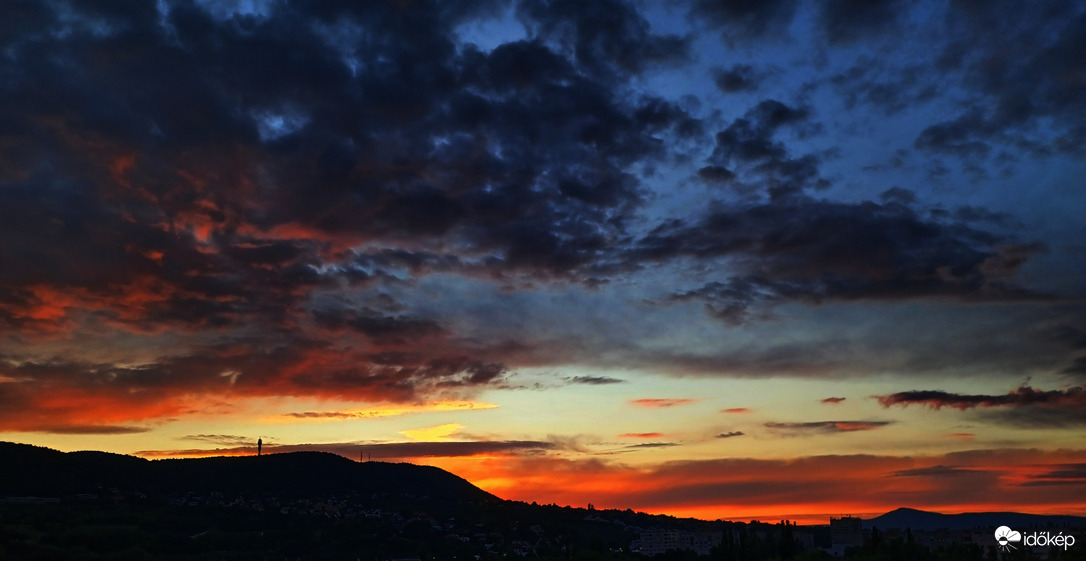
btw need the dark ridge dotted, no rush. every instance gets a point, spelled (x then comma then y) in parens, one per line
(35, 471)
(925, 520)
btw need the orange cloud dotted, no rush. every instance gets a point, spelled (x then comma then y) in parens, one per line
(84, 411)
(658, 402)
(58, 393)
(736, 410)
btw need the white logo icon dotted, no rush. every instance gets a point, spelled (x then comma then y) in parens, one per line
(1006, 536)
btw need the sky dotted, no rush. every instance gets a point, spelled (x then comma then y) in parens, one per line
(722, 259)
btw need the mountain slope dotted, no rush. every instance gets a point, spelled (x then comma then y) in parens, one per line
(32, 470)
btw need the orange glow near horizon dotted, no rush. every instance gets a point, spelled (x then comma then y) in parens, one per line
(390, 410)
(804, 490)
(439, 433)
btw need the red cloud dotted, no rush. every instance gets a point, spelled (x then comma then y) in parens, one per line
(52, 395)
(641, 435)
(848, 426)
(827, 427)
(660, 402)
(832, 400)
(736, 410)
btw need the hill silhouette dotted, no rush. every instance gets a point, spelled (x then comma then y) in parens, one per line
(27, 470)
(925, 520)
(38, 471)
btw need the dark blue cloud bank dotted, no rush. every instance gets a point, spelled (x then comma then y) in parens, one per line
(382, 192)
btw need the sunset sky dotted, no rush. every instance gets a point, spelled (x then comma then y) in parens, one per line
(723, 259)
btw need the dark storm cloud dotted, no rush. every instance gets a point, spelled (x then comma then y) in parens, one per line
(192, 169)
(715, 174)
(814, 359)
(1069, 335)
(607, 35)
(1005, 93)
(749, 144)
(195, 174)
(741, 20)
(811, 250)
(1024, 407)
(1022, 396)
(845, 21)
(958, 137)
(379, 327)
(416, 262)
(595, 380)
(1041, 78)
(1077, 368)
(740, 77)
(148, 273)
(825, 427)
(898, 195)
(735, 301)
(890, 89)
(419, 160)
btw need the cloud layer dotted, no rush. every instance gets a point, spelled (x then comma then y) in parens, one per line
(306, 214)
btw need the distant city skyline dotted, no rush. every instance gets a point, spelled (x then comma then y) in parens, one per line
(774, 260)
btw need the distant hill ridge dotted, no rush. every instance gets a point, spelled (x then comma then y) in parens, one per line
(33, 470)
(925, 520)
(27, 470)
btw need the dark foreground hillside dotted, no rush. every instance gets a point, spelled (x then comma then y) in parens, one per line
(311, 506)
(32, 470)
(85, 506)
